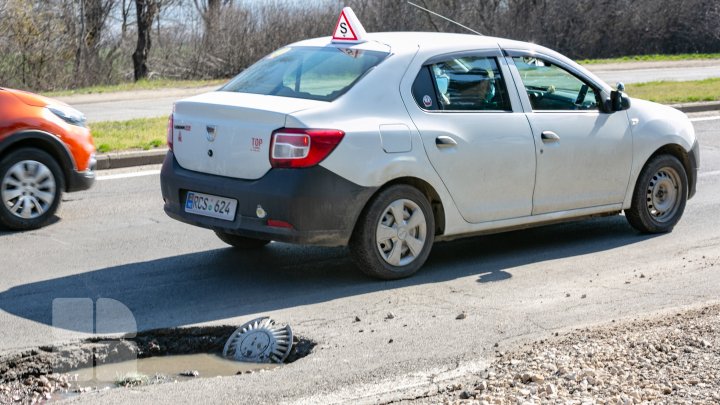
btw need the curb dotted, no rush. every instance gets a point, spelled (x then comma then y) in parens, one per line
(698, 107)
(116, 160)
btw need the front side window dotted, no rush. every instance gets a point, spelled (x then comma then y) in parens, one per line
(551, 87)
(472, 83)
(306, 72)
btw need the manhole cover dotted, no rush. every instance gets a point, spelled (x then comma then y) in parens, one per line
(259, 341)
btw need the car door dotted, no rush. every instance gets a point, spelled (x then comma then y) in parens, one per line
(584, 155)
(476, 134)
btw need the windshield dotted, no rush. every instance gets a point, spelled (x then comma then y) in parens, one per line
(306, 72)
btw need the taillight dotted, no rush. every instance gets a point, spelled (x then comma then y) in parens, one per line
(301, 147)
(169, 136)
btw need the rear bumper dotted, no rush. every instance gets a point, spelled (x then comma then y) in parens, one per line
(321, 206)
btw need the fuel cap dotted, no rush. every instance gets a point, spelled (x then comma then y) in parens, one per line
(259, 341)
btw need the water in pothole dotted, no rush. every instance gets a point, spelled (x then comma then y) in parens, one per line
(161, 369)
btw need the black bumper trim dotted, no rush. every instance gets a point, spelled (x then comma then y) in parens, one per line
(694, 168)
(79, 181)
(322, 206)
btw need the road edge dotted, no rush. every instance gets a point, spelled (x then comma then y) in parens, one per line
(117, 160)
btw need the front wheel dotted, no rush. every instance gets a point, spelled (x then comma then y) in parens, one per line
(660, 195)
(394, 234)
(241, 242)
(31, 187)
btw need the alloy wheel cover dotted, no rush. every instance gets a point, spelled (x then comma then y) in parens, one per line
(28, 189)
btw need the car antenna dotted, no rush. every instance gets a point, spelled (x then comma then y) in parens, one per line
(444, 18)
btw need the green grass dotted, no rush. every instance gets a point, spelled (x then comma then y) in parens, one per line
(652, 58)
(142, 133)
(676, 92)
(140, 85)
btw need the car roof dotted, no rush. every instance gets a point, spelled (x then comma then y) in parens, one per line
(410, 41)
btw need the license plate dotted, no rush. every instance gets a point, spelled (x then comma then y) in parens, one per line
(210, 206)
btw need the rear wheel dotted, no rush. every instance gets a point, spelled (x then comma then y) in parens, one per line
(31, 187)
(660, 195)
(241, 242)
(395, 233)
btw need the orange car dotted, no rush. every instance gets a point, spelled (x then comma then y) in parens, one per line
(45, 149)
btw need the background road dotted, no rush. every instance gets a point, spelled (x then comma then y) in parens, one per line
(114, 241)
(639, 72)
(158, 103)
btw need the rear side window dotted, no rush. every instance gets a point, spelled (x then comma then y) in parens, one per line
(306, 72)
(424, 90)
(473, 83)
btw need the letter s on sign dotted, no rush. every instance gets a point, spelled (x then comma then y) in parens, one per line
(343, 28)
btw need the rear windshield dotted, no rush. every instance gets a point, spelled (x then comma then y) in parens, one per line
(312, 73)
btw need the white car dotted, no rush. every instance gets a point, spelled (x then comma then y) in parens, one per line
(396, 140)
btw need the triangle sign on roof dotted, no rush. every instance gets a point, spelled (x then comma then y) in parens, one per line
(348, 28)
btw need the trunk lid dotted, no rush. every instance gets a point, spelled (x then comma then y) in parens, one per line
(228, 134)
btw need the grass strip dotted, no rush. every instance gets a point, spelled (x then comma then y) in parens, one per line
(668, 92)
(651, 58)
(141, 133)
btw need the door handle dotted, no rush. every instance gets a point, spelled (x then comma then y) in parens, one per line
(549, 136)
(444, 142)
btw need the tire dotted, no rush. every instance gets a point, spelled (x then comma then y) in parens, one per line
(31, 185)
(660, 195)
(384, 250)
(241, 242)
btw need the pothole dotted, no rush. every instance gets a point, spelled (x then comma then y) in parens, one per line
(151, 357)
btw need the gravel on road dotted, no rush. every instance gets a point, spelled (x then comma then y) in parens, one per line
(664, 359)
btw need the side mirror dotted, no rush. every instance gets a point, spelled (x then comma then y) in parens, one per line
(619, 101)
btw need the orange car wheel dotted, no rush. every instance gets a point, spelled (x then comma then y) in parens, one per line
(31, 185)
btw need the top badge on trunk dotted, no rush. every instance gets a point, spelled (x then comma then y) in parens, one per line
(211, 132)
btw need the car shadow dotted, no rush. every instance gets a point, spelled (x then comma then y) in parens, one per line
(225, 283)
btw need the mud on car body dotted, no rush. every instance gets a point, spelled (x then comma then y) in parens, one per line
(390, 141)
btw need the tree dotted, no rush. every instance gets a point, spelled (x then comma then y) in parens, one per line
(125, 16)
(210, 10)
(93, 18)
(146, 11)
(211, 13)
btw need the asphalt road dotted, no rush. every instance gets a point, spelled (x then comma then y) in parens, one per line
(150, 104)
(114, 241)
(639, 72)
(127, 105)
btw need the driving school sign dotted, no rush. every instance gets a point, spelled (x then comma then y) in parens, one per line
(348, 28)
